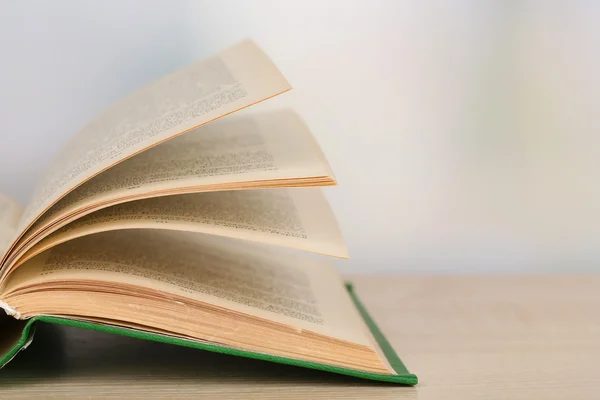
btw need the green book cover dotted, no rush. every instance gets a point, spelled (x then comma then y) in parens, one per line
(403, 376)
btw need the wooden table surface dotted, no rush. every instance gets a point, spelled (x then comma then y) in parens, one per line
(493, 337)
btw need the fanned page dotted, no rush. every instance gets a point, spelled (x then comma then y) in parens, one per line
(267, 150)
(234, 79)
(269, 283)
(295, 218)
(10, 214)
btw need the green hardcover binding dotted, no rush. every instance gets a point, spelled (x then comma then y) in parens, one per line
(403, 376)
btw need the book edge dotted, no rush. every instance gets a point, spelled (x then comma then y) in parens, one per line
(403, 376)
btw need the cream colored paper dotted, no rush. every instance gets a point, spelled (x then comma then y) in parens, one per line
(202, 92)
(10, 213)
(304, 292)
(295, 218)
(268, 149)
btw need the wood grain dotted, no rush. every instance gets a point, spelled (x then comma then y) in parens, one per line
(493, 337)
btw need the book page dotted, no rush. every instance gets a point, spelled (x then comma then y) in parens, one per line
(299, 291)
(236, 78)
(10, 213)
(238, 152)
(295, 218)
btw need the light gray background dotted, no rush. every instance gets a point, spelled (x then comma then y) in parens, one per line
(464, 134)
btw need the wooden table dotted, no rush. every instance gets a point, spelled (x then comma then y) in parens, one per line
(466, 337)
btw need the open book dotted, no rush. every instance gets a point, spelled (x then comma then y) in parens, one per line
(192, 240)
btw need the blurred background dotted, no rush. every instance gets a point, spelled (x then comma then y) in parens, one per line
(465, 135)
